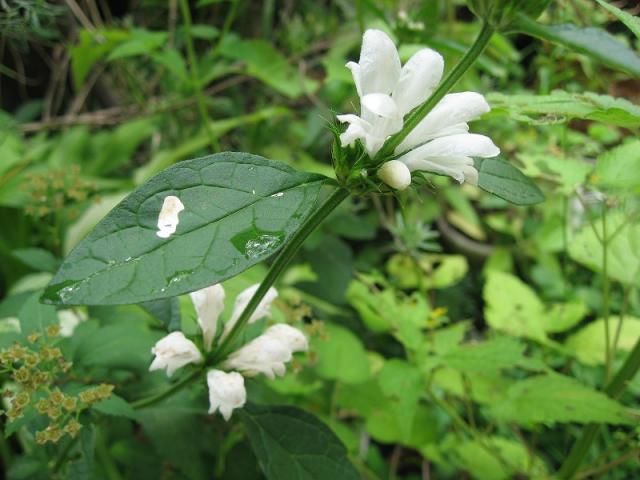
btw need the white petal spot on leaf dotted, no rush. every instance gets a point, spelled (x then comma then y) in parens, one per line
(168, 219)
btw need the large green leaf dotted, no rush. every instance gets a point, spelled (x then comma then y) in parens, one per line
(560, 106)
(341, 356)
(594, 42)
(239, 210)
(589, 343)
(555, 398)
(501, 178)
(292, 444)
(617, 169)
(631, 21)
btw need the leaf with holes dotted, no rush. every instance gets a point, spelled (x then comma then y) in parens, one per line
(239, 209)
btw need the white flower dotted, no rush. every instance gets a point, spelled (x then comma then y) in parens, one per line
(269, 352)
(69, 319)
(440, 143)
(174, 351)
(242, 300)
(226, 392)
(395, 174)
(168, 216)
(209, 304)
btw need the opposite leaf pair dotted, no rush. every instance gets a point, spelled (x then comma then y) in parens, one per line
(266, 354)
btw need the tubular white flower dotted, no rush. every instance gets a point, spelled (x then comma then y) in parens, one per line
(269, 352)
(242, 300)
(209, 304)
(173, 352)
(226, 392)
(395, 174)
(440, 143)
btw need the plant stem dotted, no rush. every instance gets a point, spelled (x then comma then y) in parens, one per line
(613, 389)
(605, 296)
(158, 397)
(447, 84)
(195, 75)
(279, 265)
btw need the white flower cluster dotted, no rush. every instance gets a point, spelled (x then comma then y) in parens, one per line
(265, 354)
(441, 142)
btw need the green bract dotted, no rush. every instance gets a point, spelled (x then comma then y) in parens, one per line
(239, 210)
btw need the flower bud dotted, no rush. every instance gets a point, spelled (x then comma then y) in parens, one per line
(395, 174)
(226, 392)
(269, 352)
(174, 351)
(500, 13)
(209, 304)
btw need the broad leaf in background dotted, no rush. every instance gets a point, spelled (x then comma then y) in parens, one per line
(292, 444)
(594, 42)
(239, 210)
(560, 106)
(588, 344)
(501, 178)
(341, 355)
(623, 259)
(167, 310)
(555, 398)
(617, 170)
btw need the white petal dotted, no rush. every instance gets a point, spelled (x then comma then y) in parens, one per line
(209, 304)
(395, 174)
(168, 217)
(452, 166)
(380, 104)
(379, 64)
(447, 118)
(242, 300)
(418, 79)
(174, 351)
(226, 392)
(355, 73)
(293, 338)
(470, 174)
(461, 145)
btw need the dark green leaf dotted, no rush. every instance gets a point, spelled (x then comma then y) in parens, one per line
(507, 182)
(167, 310)
(115, 406)
(239, 210)
(81, 467)
(292, 444)
(38, 259)
(35, 317)
(594, 42)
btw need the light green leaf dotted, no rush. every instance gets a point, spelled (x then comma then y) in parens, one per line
(489, 356)
(554, 398)
(92, 47)
(268, 65)
(115, 406)
(140, 42)
(594, 42)
(513, 307)
(38, 259)
(561, 106)
(623, 251)
(36, 317)
(632, 22)
(292, 444)
(562, 316)
(507, 182)
(403, 385)
(341, 356)
(239, 210)
(567, 173)
(617, 170)
(588, 344)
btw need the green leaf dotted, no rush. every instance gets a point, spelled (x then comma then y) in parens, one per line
(115, 406)
(507, 182)
(617, 170)
(561, 106)
(341, 356)
(563, 316)
(38, 259)
(81, 467)
(632, 22)
(555, 398)
(167, 310)
(594, 42)
(292, 444)
(36, 317)
(623, 251)
(92, 47)
(588, 344)
(268, 65)
(489, 356)
(140, 42)
(513, 307)
(239, 210)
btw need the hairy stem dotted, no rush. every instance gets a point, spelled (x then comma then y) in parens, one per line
(279, 265)
(445, 86)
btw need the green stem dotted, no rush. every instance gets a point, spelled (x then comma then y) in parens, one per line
(605, 297)
(195, 75)
(445, 86)
(158, 397)
(613, 389)
(279, 265)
